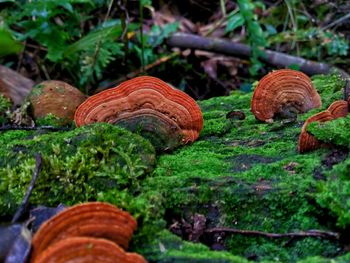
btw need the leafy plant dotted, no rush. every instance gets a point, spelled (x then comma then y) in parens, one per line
(8, 45)
(255, 35)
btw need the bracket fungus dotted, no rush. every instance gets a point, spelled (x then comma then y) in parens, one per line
(308, 142)
(55, 97)
(284, 93)
(84, 249)
(94, 219)
(166, 116)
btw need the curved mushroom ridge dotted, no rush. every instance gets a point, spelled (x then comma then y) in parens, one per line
(164, 133)
(339, 108)
(95, 219)
(284, 92)
(83, 249)
(308, 142)
(143, 93)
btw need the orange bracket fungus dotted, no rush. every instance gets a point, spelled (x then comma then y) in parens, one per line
(284, 93)
(95, 219)
(55, 97)
(166, 116)
(308, 142)
(85, 249)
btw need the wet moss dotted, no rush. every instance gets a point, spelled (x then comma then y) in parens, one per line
(167, 247)
(335, 131)
(54, 121)
(241, 174)
(334, 193)
(5, 105)
(252, 173)
(77, 165)
(330, 87)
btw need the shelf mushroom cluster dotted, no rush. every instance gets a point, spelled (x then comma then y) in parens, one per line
(285, 93)
(89, 232)
(166, 116)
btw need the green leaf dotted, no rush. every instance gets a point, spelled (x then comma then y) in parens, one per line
(8, 45)
(234, 22)
(158, 34)
(92, 39)
(145, 3)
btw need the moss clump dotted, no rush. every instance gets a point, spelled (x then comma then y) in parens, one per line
(52, 120)
(336, 131)
(77, 165)
(5, 105)
(330, 88)
(334, 192)
(167, 247)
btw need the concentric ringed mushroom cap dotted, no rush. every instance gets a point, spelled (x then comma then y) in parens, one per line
(137, 104)
(87, 250)
(93, 219)
(284, 93)
(308, 142)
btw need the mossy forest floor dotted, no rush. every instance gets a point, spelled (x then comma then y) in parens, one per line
(240, 174)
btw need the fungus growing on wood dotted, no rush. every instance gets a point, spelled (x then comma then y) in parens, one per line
(166, 116)
(55, 97)
(284, 93)
(85, 249)
(308, 142)
(95, 219)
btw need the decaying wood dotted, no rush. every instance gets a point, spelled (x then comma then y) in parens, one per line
(227, 47)
(13, 85)
(278, 59)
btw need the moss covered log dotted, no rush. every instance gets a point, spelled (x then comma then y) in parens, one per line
(241, 174)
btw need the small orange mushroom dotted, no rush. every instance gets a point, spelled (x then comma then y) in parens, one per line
(166, 116)
(284, 93)
(308, 142)
(55, 97)
(87, 250)
(94, 219)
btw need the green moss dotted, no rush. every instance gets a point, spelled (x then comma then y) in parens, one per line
(330, 88)
(335, 131)
(52, 120)
(253, 176)
(334, 193)
(167, 247)
(5, 106)
(77, 165)
(241, 174)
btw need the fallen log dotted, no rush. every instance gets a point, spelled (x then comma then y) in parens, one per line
(278, 59)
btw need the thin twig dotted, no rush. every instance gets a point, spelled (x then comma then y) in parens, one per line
(28, 128)
(336, 22)
(36, 172)
(141, 37)
(307, 233)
